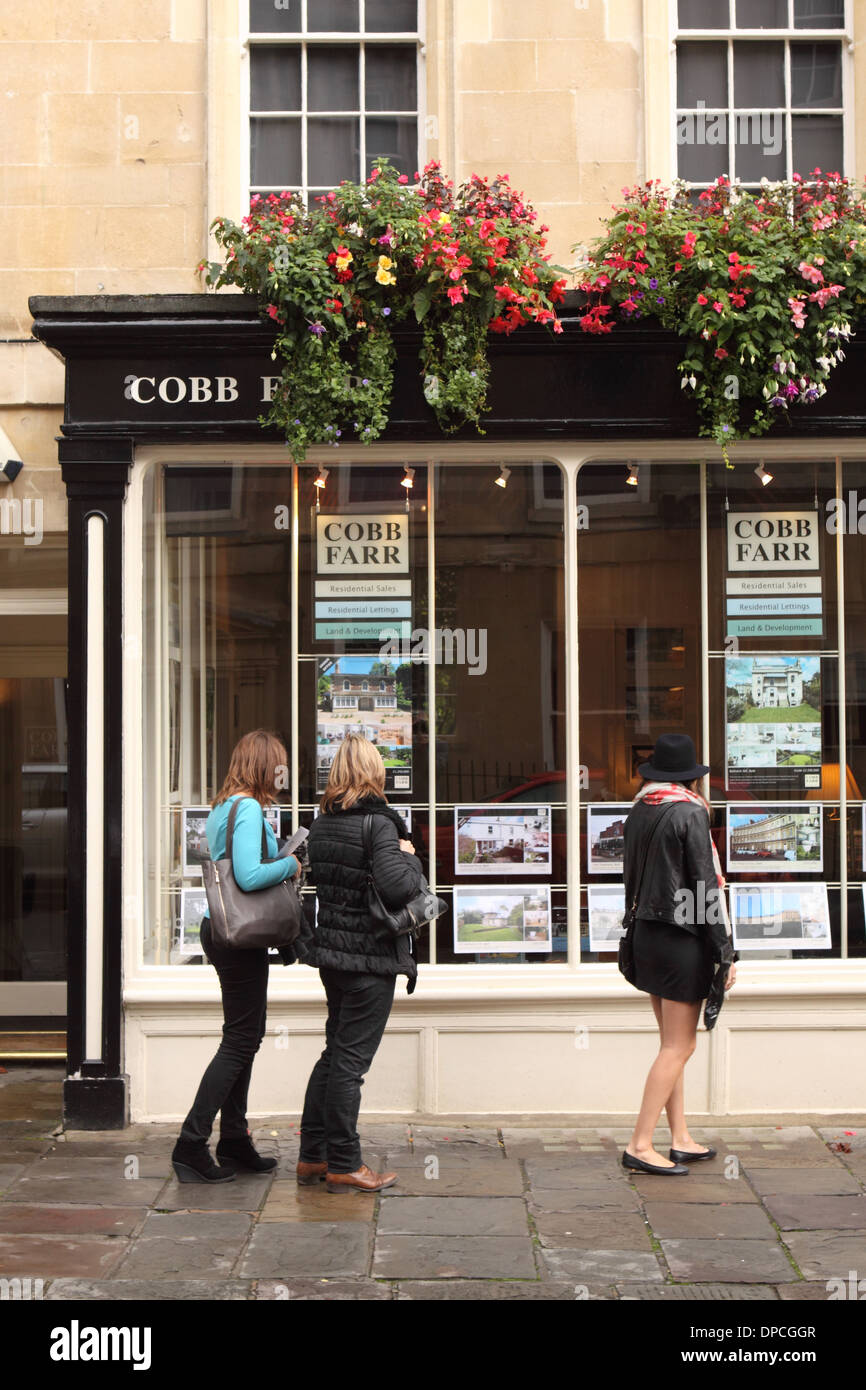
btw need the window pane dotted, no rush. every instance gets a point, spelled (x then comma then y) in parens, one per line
(394, 138)
(275, 16)
(702, 74)
(819, 14)
(391, 16)
(760, 146)
(816, 74)
(508, 654)
(702, 153)
(332, 79)
(275, 79)
(391, 79)
(759, 74)
(275, 152)
(817, 144)
(333, 151)
(703, 14)
(332, 16)
(762, 14)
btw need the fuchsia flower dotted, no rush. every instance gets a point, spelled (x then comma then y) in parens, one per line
(823, 296)
(810, 273)
(798, 310)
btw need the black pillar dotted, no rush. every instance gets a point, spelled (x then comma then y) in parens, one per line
(96, 472)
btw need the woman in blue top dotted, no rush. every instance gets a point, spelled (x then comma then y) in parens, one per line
(243, 973)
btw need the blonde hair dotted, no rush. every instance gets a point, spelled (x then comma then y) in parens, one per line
(356, 771)
(253, 766)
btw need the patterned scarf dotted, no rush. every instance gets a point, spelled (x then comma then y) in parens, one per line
(656, 793)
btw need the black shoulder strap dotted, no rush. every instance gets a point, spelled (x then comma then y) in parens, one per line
(367, 834)
(230, 830)
(649, 839)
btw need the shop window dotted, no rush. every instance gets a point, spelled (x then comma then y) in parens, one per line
(756, 95)
(323, 110)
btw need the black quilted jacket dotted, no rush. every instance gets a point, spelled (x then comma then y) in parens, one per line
(338, 866)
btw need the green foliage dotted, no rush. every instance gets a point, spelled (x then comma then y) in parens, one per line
(338, 276)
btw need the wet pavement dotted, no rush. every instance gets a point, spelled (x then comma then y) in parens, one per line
(491, 1211)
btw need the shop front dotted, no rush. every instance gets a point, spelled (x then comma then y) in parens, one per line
(513, 619)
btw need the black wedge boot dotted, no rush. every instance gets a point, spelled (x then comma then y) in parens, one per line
(192, 1163)
(242, 1154)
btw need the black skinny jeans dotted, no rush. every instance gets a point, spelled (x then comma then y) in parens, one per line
(243, 977)
(358, 1009)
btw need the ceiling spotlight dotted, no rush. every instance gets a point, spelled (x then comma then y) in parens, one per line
(761, 472)
(408, 477)
(321, 478)
(504, 475)
(631, 480)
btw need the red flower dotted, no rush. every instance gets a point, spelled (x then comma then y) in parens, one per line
(455, 293)
(702, 299)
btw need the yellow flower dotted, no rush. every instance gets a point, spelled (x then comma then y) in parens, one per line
(383, 275)
(343, 261)
(445, 217)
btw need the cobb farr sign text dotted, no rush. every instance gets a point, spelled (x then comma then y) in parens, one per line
(192, 390)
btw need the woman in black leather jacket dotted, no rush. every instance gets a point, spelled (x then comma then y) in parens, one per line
(358, 966)
(672, 874)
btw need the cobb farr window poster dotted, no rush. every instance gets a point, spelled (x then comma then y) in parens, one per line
(502, 920)
(362, 586)
(194, 843)
(365, 695)
(776, 916)
(490, 841)
(776, 839)
(605, 830)
(773, 721)
(193, 906)
(606, 910)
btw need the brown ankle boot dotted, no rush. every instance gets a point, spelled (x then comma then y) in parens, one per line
(363, 1180)
(309, 1174)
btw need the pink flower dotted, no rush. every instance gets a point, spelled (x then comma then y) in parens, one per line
(455, 293)
(798, 310)
(718, 306)
(823, 296)
(702, 299)
(810, 273)
(454, 274)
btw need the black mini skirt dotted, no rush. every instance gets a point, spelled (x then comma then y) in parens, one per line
(671, 962)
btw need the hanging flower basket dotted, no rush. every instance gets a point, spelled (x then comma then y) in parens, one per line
(764, 287)
(337, 276)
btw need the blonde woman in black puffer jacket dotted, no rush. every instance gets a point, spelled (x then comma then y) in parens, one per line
(357, 966)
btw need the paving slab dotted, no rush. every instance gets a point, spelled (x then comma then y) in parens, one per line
(812, 1157)
(127, 1163)
(454, 1257)
(480, 1177)
(572, 1171)
(812, 1181)
(9, 1172)
(288, 1202)
(613, 1198)
(792, 1211)
(592, 1230)
(854, 1136)
(501, 1291)
(828, 1254)
(458, 1138)
(282, 1251)
(602, 1266)
(324, 1291)
(149, 1290)
(454, 1216)
(187, 1245)
(16, 1218)
(106, 1192)
(43, 1257)
(700, 1293)
(694, 1188)
(813, 1293)
(246, 1193)
(699, 1220)
(527, 1143)
(727, 1261)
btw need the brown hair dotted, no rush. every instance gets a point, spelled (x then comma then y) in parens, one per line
(253, 767)
(357, 771)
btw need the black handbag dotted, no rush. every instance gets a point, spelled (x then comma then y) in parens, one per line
(625, 954)
(423, 906)
(266, 917)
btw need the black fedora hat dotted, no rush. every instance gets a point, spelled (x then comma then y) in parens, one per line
(674, 760)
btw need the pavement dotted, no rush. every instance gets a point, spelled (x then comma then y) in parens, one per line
(487, 1211)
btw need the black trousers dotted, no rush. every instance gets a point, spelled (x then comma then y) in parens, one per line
(358, 1009)
(243, 977)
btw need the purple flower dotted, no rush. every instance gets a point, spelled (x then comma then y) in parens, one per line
(660, 299)
(779, 402)
(386, 312)
(365, 381)
(297, 422)
(792, 389)
(339, 432)
(317, 328)
(653, 284)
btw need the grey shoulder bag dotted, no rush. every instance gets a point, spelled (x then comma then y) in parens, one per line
(262, 918)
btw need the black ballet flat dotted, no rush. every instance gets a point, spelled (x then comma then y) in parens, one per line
(638, 1166)
(683, 1156)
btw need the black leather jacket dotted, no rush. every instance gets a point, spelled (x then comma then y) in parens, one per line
(679, 881)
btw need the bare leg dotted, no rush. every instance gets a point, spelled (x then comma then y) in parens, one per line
(678, 1025)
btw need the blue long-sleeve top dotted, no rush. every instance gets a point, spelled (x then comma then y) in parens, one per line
(250, 871)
